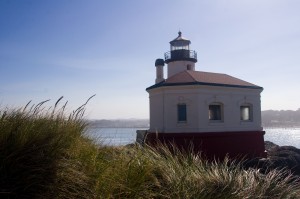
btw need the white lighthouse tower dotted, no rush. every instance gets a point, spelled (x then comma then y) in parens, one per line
(217, 113)
(180, 57)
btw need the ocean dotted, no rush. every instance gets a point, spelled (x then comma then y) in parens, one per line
(283, 136)
(123, 136)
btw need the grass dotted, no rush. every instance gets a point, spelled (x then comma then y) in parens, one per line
(44, 154)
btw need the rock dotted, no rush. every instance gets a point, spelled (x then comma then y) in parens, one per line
(270, 145)
(279, 157)
(287, 157)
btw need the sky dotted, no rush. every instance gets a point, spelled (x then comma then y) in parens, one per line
(79, 48)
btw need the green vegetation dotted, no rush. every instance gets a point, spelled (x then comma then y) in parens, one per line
(44, 154)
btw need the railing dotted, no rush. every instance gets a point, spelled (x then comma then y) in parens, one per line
(176, 55)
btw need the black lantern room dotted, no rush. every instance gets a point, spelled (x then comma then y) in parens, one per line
(180, 50)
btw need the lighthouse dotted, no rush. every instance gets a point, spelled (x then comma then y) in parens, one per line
(214, 113)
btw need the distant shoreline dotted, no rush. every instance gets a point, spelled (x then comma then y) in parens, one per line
(144, 123)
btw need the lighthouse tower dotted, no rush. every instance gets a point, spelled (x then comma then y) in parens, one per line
(180, 57)
(216, 113)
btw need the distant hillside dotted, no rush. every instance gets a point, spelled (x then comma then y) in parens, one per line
(120, 123)
(282, 118)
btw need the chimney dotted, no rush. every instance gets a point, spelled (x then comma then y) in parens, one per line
(159, 64)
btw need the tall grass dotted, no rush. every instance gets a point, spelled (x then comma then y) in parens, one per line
(34, 148)
(44, 154)
(149, 173)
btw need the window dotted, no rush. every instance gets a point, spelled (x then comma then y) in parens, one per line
(179, 47)
(246, 113)
(189, 67)
(181, 113)
(215, 112)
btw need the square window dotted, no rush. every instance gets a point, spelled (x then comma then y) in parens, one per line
(215, 112)
(181, 113)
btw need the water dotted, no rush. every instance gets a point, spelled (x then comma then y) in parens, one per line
(123, 136)
(113, 136)
(283, 136)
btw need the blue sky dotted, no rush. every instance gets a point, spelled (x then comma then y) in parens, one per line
(77, 48)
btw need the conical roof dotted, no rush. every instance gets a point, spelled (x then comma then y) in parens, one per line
(180, 40)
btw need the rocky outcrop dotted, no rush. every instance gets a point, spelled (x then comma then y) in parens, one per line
(279, 157)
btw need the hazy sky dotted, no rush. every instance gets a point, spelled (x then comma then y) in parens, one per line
(78, 48)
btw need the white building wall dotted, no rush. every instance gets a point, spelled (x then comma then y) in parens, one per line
(179, 66)
(156, 100)
(164, 100)
(172, 99)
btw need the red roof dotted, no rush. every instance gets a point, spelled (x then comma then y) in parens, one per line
(189, 77)
(198, 76)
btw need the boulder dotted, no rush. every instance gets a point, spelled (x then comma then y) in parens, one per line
(279, 157)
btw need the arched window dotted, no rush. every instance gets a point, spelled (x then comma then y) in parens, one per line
(246, 112)
(215, 112)
(181, 113)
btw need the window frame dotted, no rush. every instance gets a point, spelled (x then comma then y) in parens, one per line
(219, 114)
(181, 113)
(250, 112)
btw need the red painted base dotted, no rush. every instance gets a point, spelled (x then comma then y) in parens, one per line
(217, 145)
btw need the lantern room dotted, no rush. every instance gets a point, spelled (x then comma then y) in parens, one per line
(180, 50)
